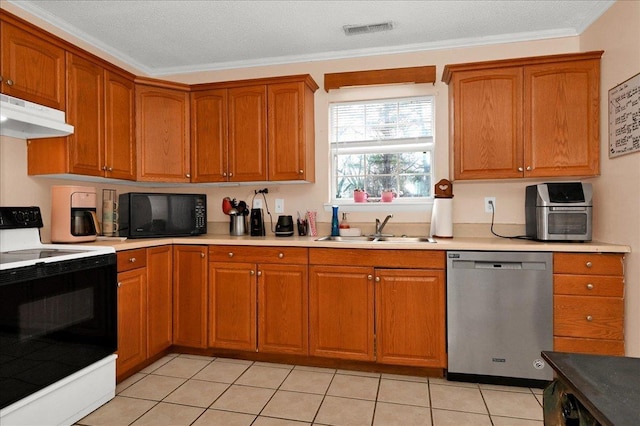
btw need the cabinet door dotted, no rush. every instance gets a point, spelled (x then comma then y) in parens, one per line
(120, 160)
(159, 299)
(209, 136)
(190, 296)
(410, 317)
(33, 69)
(562, 126)
(232, 306)
(162, 134)
(341, 303)
(487, 123)
(132, 319)
(248, 133)
(283, 314)
(85, 111)
(287, 131)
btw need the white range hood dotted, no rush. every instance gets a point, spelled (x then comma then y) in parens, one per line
(26, 120)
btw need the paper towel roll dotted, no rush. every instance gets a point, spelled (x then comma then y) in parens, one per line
(442, 218)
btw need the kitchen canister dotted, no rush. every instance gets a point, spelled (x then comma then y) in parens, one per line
(442, 212)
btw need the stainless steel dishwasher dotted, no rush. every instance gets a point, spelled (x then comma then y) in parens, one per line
(499, 316)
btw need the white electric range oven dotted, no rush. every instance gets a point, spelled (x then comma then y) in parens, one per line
(58, 324)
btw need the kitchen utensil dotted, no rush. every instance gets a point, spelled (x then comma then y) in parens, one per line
(226, 205)
(237, 224)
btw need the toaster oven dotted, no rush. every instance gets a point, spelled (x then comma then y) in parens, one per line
(559, 211)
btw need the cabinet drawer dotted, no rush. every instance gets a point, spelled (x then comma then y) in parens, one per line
(589, 346)
(423, 259)
(585, 316)
(289, 255)
(131, 259)
(588, 263)
(588, 285)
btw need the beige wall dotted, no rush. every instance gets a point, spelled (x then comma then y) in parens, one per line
(616, 191)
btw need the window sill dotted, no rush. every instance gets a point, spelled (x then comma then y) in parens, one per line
(377, 206)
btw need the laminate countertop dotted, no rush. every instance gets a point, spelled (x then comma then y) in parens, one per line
(469, 244)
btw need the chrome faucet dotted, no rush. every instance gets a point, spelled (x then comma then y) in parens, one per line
(380, 226)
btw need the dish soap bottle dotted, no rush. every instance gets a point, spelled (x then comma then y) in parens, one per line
(335, 226)
(343, 223)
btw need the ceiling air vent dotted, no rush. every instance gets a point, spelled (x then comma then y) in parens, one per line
(364, 29)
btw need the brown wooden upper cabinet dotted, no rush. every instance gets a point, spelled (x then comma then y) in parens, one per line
(100, 106)
(526, 117)
(253, 130)
(162, 133)
(32, 67)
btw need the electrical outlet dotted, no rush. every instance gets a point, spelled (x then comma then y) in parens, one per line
(488, 207)
(279, 205)
(257, 203)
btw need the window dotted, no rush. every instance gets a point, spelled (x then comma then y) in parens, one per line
(381, 145)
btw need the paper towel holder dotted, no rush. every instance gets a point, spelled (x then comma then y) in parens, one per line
(443, 189)
(441, 213)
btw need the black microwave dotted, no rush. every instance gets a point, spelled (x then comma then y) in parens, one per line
(146, 215)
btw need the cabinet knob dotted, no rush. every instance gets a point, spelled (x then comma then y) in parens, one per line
(300, 172)
(280, 255)
(9, 82)
(230, 254)
(589, 286)
(588, 264)
(259, 273)
(589, 318)
(520, 169)
(188, 175)
(119, 284)
(528, 168)
(202, 255)
(132, 259)
(109, 169)
(104, 168)
(369, 277)
(377, 279)
(252, 272)
(224, 174)
(230, 174)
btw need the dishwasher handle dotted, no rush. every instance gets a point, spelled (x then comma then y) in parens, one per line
(498, 266)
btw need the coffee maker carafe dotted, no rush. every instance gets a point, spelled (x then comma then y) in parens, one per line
(73, 214)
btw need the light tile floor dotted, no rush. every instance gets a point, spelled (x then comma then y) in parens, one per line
(195, 390)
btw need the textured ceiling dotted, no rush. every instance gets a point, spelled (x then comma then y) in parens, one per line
(167, 37)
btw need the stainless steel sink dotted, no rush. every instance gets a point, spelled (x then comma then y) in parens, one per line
(378, 239)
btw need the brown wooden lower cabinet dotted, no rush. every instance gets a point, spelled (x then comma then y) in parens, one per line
(132, 310)
(410, 317)
(341, 305)
(588, 303)
(190, 296)
(159, 299)
(257, 300)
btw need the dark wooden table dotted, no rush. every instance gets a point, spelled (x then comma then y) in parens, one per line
(608, 386)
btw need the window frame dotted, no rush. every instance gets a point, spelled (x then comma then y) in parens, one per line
(374, 93)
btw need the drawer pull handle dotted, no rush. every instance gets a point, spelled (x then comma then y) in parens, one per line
(589, 286)
(369, 277)
(280, 255)
(589, 264)
(252, 272)
(377, 279)
(230, 254)
(132, 259)
(589, 318)
(259, 273)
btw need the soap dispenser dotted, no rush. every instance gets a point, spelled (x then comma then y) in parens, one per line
(335, 225)
(344, 224)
